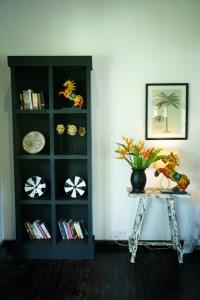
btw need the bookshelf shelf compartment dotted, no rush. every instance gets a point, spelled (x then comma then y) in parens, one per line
(28, 123)
(66, 143)
(30, 214)
(29, 169)
(62, 156)
(34, 78)
(61, 75)
(73, 213)
(65, 169)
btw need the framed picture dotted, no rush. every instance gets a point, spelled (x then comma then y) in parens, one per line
(166, 111)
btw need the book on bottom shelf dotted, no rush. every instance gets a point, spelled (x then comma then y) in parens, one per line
(37, 230)
(72, 229)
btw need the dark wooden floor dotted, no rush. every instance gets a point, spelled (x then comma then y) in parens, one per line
(155, 275)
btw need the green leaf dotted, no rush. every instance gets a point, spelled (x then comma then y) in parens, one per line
(122, 145)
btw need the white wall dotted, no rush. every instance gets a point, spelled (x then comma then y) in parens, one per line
(132, 43)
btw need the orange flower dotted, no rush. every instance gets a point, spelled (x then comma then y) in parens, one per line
(147, 153)
(130, 145)
(122, 152)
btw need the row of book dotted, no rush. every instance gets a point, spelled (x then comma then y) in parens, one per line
(71, 230)
(37, 230)
(31, 100)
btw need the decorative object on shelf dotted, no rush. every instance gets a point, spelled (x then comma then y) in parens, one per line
(33, 142)
(139, 158)
(35, 187)
(75, 187)
(166, 111)
(60, 128)
(171, 163)
(82, 131)
(71, 129)
(31, 100)
(69, 88)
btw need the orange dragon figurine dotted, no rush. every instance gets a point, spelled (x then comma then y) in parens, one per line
(171, 162)
(68, 93)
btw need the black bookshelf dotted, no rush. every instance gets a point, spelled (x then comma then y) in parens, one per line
(62, 157)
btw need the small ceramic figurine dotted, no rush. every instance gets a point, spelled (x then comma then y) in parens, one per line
(82, 131)
(69, 87)
(60, 128)
(171, 162)
(71, 129)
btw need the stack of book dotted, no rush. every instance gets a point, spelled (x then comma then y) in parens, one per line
(31, 100)
(37, 230)
(71, 230)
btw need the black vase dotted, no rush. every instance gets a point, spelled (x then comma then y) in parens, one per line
(138, 181)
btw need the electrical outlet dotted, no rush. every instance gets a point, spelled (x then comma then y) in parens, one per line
(118, 234)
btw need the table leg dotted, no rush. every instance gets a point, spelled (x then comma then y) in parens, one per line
(174, 228)
(171, 223)
(134, 237)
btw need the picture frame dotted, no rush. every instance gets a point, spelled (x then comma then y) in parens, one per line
(166, 111)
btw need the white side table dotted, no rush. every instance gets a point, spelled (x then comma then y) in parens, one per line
(135, 235)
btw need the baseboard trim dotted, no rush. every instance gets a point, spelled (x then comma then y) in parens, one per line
(111, 244)
(1, 245)
(99, 244)
(7, 243)
(123, 243)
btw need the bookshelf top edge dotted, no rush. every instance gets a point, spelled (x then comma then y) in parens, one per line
(30, 61)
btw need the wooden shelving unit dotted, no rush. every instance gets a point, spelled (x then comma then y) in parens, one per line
(61, 158)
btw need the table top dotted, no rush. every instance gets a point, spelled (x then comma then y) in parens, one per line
(155, 192)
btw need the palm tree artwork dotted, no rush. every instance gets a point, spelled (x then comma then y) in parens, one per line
(165, 100)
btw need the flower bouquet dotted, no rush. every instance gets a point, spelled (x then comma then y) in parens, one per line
(139, 158)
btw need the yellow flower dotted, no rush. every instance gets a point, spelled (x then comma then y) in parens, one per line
(141, 144)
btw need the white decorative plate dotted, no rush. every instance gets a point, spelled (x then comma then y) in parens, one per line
(33, 142)
(75, 187)
(35, 187)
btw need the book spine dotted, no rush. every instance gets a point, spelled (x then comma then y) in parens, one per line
(66, 229)
(41, 231)
(35, 100)
(21, 101)
(35, 232)
(39, 234)
(30, 99)
(79, 230)
(28, 230)
(27, 99)
(45, 230)
(41, 100)
(75, 236)
(70, 231)
(83, 228)
(76, 229)
(62, 230)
